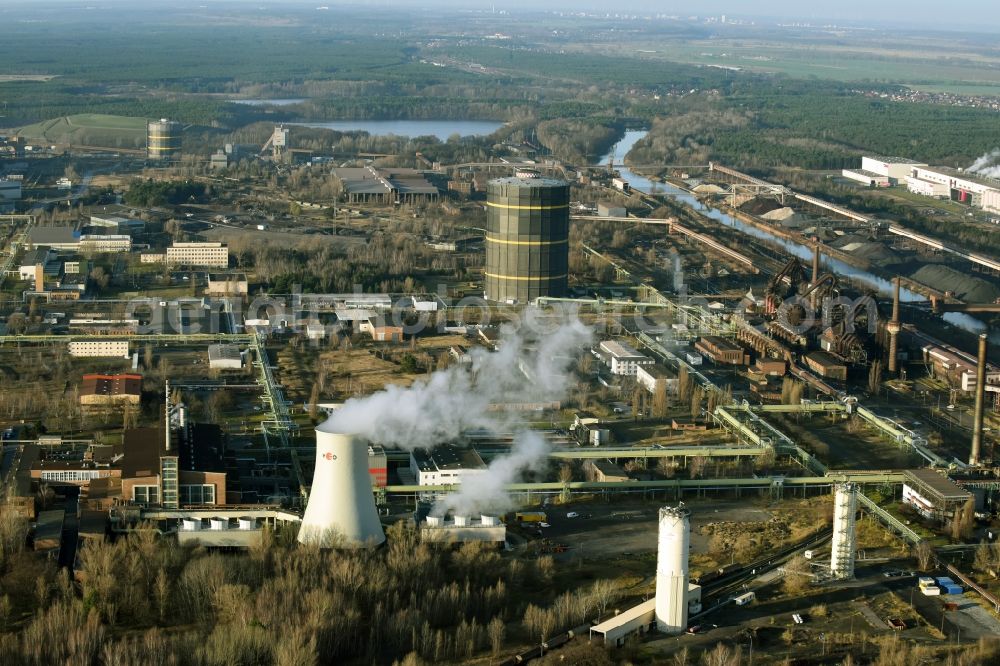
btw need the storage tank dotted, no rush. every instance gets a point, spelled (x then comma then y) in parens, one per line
(341, 510)
(842, 545)
(163, 139)
(527, 237)
(672, 569)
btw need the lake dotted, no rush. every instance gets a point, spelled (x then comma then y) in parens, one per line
(441, 129)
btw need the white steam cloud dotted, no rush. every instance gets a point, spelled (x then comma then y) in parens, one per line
(987, 165)
(451, 401)
(487, 493)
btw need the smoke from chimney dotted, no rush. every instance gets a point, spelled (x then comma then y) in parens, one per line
(452, 401)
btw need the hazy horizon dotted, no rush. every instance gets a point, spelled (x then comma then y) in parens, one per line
(971, 15)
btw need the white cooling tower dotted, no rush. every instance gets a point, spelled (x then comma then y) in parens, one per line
(672, 570)
(843, 544)
(341, 510)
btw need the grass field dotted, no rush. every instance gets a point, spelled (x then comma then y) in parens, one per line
(89, 129)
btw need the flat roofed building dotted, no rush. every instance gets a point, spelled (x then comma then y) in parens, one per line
(722, 350)
(105, 243)
(445, 465)
(225, 357)
(124, 225)
(609, 209)
(105, 390)
(649, 376)
(191, 473)
(927, 188)
(57, 238)
(866, 178)
(932, 493)
(826, 365)
(622, 358)
(31, 259)
(963, 187)
(215, 254)
(896, 168)
(98, 348)
(604, 471)
(227, 284)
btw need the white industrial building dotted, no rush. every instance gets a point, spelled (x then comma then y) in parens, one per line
(460, 529)
(962, 187)
(445, 465)
(927, 188)
(99, 348)
(894, 168)
(225, 357)
(991, 201)
(621, 358)
(867, 178)
(648, 376)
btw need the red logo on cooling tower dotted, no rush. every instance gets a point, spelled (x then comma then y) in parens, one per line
(329, 456)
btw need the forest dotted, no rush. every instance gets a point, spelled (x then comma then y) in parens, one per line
(144, 599)
(812, 127)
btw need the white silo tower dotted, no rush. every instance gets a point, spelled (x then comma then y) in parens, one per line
(672, 570)
(843, 544)
(341, 510)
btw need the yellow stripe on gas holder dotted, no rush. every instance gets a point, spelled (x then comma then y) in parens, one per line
(517, 207)
(524, 278)
(536, 243)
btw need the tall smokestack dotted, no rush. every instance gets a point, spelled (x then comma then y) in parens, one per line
(341, 511)
(977, 423)
(893, 328)
(672, 570)
(815, 276)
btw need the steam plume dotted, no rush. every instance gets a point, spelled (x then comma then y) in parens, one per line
(439, 409)
(988, 164)
(487, 493)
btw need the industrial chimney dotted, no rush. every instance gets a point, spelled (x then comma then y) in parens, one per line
(893, 328)
(977, 422)
(843, 544)
(341, 510)
(672, 570)
(815, 264)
